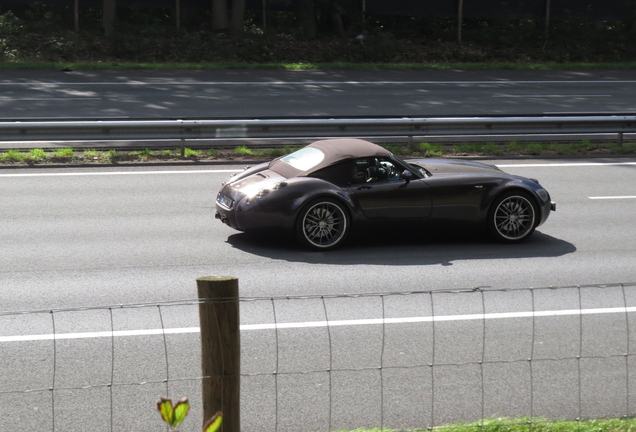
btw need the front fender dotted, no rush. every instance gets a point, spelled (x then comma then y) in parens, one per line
(497, 189)
(528, 186)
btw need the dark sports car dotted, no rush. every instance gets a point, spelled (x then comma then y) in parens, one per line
(320, 191)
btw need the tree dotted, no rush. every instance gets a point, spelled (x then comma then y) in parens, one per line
(108, 16)
(220, 16)
(238, 16)
(307, 18)
(228, 14)
(76, 14)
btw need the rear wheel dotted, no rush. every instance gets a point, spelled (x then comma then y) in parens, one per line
(512, 217)
(322, 224)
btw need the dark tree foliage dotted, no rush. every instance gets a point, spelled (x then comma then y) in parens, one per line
(315, 31)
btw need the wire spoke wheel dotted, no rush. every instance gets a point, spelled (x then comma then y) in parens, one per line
(513, 218)
(323, 224)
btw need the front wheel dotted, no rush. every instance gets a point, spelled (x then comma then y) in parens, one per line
(322, 224)
(512, 217)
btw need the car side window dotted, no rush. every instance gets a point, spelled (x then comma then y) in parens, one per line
(338, 174)
(373, 170)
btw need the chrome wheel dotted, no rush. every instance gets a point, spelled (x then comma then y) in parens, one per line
(513, 218)
(323, 224)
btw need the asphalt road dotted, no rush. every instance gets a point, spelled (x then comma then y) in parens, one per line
(88, 237)
(85, 237)
(257, 94)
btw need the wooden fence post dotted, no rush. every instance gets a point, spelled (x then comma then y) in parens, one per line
(220, 349)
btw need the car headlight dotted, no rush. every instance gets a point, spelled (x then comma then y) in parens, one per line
(265, 191)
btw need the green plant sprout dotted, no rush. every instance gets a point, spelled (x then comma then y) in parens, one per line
(174, 415)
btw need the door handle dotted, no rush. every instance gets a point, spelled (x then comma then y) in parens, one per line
(364, 188)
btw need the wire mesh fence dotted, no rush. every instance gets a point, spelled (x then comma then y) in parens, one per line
(411, 360)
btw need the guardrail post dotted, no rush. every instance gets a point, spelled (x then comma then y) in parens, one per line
(220, 349)
(620, 139)
(182, 147)
(411, 144)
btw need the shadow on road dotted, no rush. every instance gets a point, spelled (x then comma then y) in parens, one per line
(403, 246)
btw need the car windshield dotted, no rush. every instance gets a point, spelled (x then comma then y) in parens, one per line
(304, 159)
(415, 168)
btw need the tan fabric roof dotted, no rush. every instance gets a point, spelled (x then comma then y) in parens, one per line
(335, 150)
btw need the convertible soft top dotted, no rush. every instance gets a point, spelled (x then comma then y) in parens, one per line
(335, 150)
(339, 149)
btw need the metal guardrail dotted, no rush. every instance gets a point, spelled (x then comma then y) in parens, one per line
(23, 131)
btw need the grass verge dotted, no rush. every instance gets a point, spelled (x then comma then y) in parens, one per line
(422, 150)
(532, 425)
(31, 65)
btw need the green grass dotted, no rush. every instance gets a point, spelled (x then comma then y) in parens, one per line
(492, 148)
(143, 155)
(31, 65)
(64, 153)
(37, 154)
(146, 153)
(12, 156)
(530, 425)
(112, 155)
(290, 149)
(555, 148)
(397, 149)
(513, 147)
(432, 150)
(419, 150)
(535, 149)
(274, 153)
(92, 154)
(626, 149)
(468, 148)
(188, 152)
(245, 151)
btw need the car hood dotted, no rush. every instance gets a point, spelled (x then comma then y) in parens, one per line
(443, 166)
(253, 183)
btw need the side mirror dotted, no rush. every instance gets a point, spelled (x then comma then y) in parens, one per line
(407, 175)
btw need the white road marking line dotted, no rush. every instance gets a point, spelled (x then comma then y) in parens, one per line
(534, 96)
(613, 197)
(335, 323)
(105, 173)
(30, 99)
(571, 164)
(90, 335)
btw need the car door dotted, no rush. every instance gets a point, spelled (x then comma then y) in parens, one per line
(385, 195)
(459, 197)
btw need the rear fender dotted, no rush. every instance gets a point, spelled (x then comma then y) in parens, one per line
(315, 188)
(280, 207)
